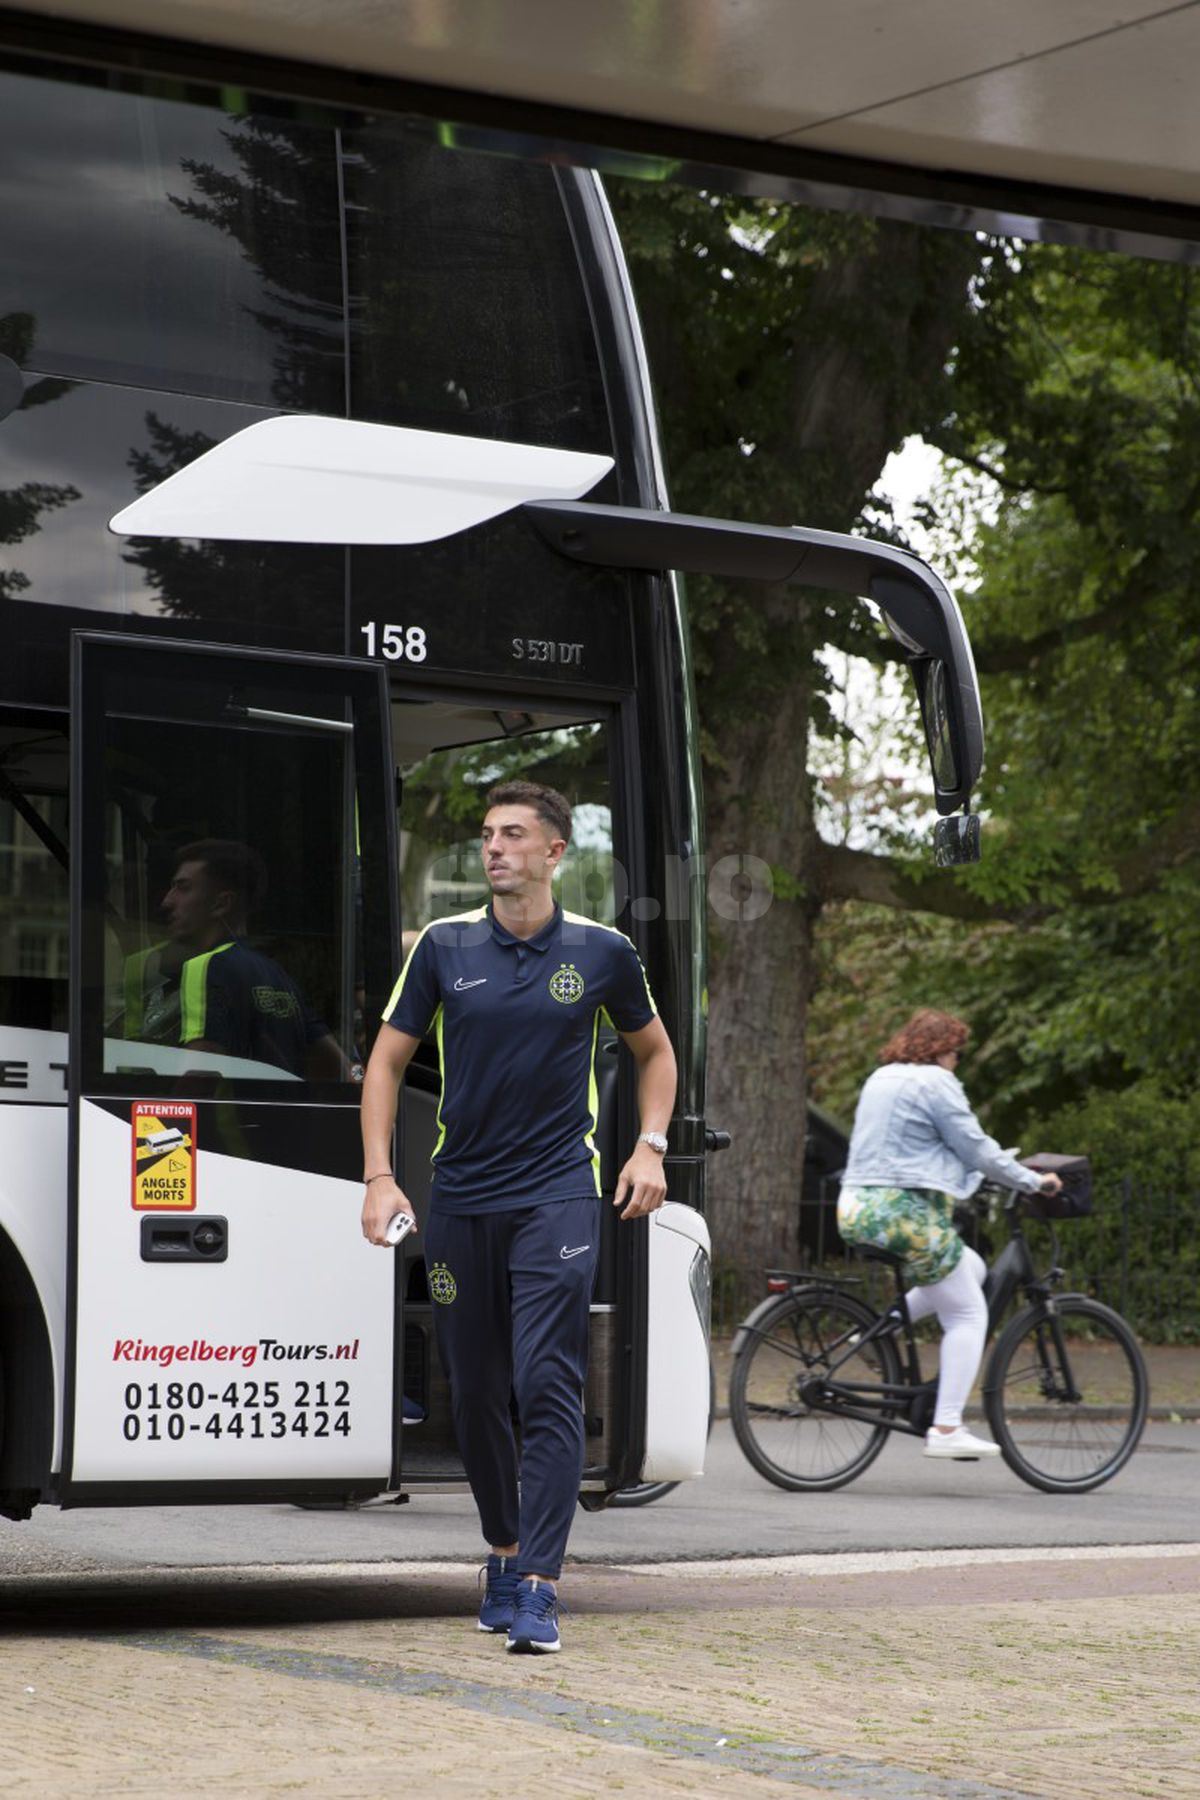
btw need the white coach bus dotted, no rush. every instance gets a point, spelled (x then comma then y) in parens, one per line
(369, 421)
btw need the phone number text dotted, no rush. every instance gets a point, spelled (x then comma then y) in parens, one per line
(170, 1411)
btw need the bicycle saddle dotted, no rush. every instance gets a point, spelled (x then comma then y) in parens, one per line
(873, 1253)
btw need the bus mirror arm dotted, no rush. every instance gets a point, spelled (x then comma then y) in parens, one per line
(917, 607)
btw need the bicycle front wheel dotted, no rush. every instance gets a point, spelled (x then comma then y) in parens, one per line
(788, 1350)
(1066, 1393)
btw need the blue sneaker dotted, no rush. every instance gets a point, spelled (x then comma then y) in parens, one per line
(500, 1595)
(535, 1622)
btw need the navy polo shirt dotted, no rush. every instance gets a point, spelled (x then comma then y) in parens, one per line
(517, 1022)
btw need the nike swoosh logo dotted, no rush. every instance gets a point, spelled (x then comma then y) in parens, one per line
(565, 1253)
(461, 986)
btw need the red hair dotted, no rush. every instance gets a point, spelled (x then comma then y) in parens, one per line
(928, 1035)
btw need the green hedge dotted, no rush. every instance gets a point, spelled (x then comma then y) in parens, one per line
(1140, 1251)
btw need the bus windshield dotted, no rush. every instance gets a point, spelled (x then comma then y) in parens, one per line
(240, 267)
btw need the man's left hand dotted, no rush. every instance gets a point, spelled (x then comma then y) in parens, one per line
(642, 1184)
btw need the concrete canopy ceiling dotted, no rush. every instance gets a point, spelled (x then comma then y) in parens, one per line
(1093, 97)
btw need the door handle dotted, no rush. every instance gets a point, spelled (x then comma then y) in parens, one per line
(202, 1238)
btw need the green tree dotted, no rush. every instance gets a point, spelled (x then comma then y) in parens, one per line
(793, 353)
(1075, 393)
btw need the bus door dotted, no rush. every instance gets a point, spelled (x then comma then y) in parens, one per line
(234, 916)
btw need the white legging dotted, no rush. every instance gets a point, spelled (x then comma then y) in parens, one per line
(962, 1313)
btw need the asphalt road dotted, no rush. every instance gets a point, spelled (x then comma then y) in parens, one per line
(902, 1502)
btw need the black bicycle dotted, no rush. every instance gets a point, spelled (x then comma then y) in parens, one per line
(819, 1378)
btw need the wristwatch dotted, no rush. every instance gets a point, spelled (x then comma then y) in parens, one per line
(656, 1141)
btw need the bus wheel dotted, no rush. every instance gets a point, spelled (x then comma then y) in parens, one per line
(594, 1501)
(641, 1493)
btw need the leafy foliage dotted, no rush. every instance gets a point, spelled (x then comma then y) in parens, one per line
(1141, 1250)
(793, 351)
(1076, 385)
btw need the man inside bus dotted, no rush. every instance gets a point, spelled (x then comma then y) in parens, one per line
(514, 1224)
(207, 989)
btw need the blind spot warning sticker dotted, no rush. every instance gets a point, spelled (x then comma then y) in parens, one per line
(164, 1156)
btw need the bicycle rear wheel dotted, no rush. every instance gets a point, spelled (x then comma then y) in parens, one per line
(786, 1350)
(1066, 1392)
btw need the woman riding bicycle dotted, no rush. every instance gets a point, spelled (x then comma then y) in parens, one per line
(916, 1148)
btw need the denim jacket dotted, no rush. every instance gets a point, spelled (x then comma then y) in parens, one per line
(914, 1128)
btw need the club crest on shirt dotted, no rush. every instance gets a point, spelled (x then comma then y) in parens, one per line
(442, 1285)
(276, 1003)
(566, 984)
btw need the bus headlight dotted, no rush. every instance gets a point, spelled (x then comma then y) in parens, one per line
(700, 1282)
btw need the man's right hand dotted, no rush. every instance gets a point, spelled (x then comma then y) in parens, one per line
(382, 1200)
(1051, 1184)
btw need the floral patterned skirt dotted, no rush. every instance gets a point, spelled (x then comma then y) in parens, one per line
(915, 1223)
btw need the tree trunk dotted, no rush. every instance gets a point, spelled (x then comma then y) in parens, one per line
(870, 354)
(761, 929)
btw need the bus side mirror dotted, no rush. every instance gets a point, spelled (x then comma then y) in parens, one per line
(923, 617)
(956, 840)
(941, 733)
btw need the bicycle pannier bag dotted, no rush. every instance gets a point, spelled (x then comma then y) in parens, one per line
(1075, 1173)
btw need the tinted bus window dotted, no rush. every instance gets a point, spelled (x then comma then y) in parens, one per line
(230, 929)
(171, 246)
(444, 799)
(467, 307)
(34, 900)
(74, 454)
(213, 251)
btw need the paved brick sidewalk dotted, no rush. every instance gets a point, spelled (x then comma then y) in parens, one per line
(1067, 1677)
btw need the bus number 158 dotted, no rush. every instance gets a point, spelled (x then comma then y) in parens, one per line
(395, 642)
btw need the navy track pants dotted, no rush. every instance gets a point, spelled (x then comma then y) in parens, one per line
(511, 1294)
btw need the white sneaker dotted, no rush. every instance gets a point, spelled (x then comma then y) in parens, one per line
(960, 1445)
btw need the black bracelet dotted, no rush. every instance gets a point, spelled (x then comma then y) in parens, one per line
(368, 1179)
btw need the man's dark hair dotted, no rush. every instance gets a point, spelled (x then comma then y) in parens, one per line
(232, 865)
(549, 805)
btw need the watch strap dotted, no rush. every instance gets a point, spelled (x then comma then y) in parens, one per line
(655, 1139)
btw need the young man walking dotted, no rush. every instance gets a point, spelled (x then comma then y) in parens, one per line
(517, 989)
